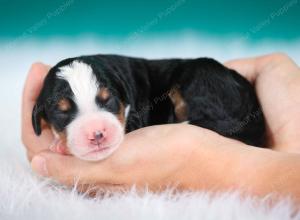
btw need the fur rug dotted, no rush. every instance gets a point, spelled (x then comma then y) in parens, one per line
(25, 196)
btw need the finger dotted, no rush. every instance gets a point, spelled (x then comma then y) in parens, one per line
(250, 68)
(246, 67)
(70, 170)
(32, 88)
(33, 85)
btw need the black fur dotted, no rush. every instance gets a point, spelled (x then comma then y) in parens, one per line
(217, 98)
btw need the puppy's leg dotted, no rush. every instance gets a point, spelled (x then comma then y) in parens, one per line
(180, 106)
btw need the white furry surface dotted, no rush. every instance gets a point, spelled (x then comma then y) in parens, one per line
(24, 196)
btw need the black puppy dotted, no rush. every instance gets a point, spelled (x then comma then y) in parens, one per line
(91, 101)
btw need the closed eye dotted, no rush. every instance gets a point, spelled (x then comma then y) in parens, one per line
(111, 104)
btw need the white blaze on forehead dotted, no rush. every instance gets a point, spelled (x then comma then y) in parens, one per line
(83, 84)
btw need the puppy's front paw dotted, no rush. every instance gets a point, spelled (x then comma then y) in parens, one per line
(59, 146)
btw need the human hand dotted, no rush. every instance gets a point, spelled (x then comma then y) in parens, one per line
(277, 82)
(34, 82)
(176, 155)
(182, 156)
(181, 150)
(156, 156)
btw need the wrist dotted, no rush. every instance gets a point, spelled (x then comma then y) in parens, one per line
(211, 162)
(219, 164)
(279, 175)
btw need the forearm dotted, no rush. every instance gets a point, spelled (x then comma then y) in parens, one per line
(281, 175)
(231, 165)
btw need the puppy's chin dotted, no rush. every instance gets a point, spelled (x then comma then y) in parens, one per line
(96, 153)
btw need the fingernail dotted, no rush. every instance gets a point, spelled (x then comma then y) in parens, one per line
(38, 164)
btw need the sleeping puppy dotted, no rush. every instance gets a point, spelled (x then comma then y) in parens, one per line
(90, 102)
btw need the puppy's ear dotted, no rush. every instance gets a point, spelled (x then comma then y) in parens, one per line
(37, 115)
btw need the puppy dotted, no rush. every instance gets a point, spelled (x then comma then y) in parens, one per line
(90, 102)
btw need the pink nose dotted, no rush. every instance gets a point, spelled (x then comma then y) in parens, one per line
(96, 137)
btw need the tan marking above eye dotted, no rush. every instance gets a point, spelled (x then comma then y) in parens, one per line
(103, 94)
(64, 104)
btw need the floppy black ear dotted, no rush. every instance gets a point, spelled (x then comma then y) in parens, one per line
(37, 114)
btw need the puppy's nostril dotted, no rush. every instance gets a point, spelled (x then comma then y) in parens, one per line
(96, 138)
(98, 135)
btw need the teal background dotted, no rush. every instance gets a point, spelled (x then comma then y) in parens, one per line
(122, 18)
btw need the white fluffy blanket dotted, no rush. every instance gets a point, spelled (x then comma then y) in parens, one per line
(24, 196)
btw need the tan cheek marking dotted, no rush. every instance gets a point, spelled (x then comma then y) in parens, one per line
(103, 94)
(61, 139)
(64, 104)
(180, 106)
(44, 124)
(121, 114)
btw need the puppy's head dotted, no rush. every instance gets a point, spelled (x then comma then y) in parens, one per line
(83, 107)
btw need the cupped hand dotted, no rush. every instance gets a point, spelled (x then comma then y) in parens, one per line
(277, 82)
(155, 156)
(182, 154)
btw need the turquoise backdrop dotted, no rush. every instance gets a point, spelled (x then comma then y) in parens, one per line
(253, 19)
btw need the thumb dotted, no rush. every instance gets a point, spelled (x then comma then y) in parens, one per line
(246, 67)
(67, 169)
